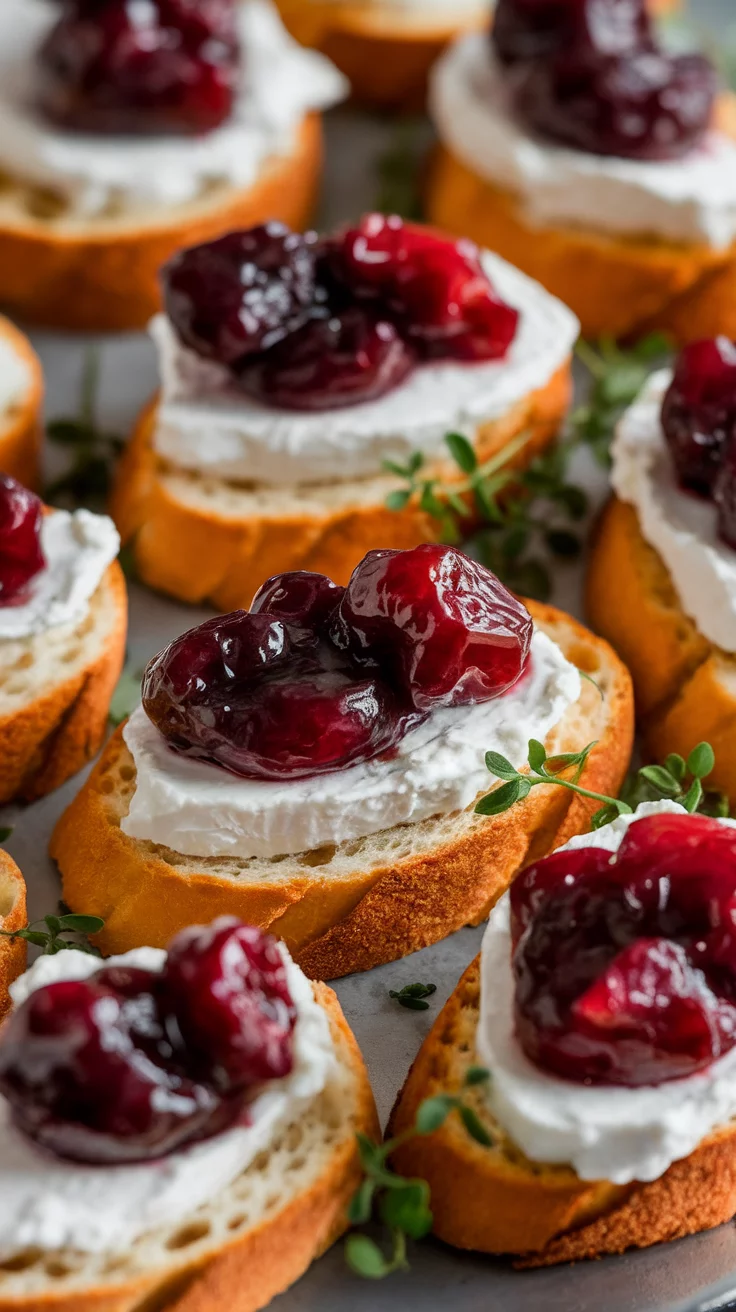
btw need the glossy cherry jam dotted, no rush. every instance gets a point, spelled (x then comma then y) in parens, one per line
(21, 554)
(141, 68)
(313, 325)
(130, 1065)
(315, 677)
(699, 423)
(529, 29)
(625, 965)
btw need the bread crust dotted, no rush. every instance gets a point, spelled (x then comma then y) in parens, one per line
(189, 548)
(102, 275)
(497, 1201)
(383, 910)
(617, 287)
(21, 427)
(255, 1266)
(13, 916)
(685, 687)
(50, 738)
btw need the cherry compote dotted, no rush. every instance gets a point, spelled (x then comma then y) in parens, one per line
(129, 1065)
(126, 67)
(529, 29)
(21, 554)
(312, 325)
(625, 965)
(316, 677)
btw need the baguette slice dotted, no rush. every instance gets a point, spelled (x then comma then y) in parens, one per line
(55, 691)
(21, 424)
(685, 688)
(13, 916)
(495, 1200)
(247, 1245)
(101, 275)
(202, 539)
(622, 287)
(352, 907)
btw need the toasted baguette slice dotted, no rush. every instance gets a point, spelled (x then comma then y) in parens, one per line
(55, 691)
(495, 1200)
(202, 539)
(619, 287)
(249, 1244)
(685, 688)
(102, 274)
(20, 424)
(12, 916)
(351, 907)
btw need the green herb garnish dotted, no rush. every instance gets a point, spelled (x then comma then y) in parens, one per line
(53, 938)
(126, 696)
(403, 1205)
(92, 451)
(5, 833)
(413, 995)
(399, 171)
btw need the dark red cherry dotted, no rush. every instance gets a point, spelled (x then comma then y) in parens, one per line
(699, 411)
(235, 297)
(353, 356)
(543, 878)
(299, 598)
(644, 105)
(21, 554)
(529, 29)
(724, 493)
(443, 626)
(226, 985)
(434, 288)
(141, 66)
(90, 1072)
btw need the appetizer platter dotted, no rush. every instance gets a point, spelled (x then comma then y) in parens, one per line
(367, 860)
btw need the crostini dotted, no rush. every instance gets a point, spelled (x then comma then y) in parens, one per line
(152, 128)
(63, 623)
(600, 165)
(661, 582)
(378, 342)
(325, 789)
(21, 399)
(199, 1152)
(12, 917)
(611, 1084)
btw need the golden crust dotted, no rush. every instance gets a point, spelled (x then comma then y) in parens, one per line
(258, 1264)
(685, 688)
(102, 275)
(48, 740)
(618, 287)
(13, 915)
(196, 553)
(21, 428)
(336, 926)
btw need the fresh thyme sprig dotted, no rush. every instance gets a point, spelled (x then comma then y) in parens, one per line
(401, 1204)
(92, 450)
(412, 996)
(677, 781)
(616, 375)
(53, 938)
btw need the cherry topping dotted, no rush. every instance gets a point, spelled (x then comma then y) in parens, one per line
(699, 411)
(529, 29)
(232, 298)
(724, 493)
(435, 289)
(625, 965)
(21, 555)
(130, 1065)
(141, 66)
(299, 598)
(445, 628)
(352, 356)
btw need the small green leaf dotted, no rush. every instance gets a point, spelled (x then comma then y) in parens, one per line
(398, 499)
(589, 679)
(476, 1075)
(573, 499)
(416, 460)
(661, 779)
(365, 1258)
(35, 937)
(503, 798)
(537, 755)
(462, 452)
(622, 384)
(605, 816)
(81, 924)
(693, 797)
(433, 1112)
(675, 765)
(125, 697)
(53, 924)
(474, 1126)
(407, 1209)
(371, 1154)
(701, 761)
(500, 766)
(361, 1204)
(5, 833)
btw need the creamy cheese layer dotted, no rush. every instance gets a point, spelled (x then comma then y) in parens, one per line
(204, 423)
(687, 200)
(52, 1204)
(103, 175)
(615, 1134)
(680, 526)
(78, 548)
(201, 810)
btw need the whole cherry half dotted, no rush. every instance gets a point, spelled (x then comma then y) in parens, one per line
(699, 411)
(21, 553)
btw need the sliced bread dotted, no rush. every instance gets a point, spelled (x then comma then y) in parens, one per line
(13, 916)
(20, 420)
(55, 691)
(203, 539)
(495, 1200)
(351, 907)
(250, 1243)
